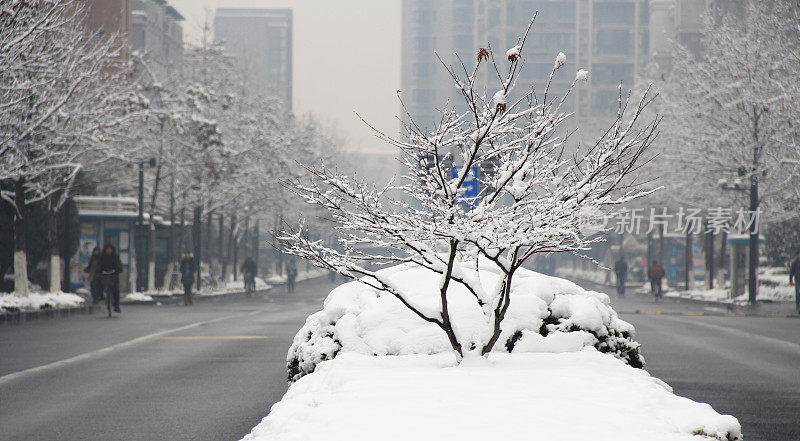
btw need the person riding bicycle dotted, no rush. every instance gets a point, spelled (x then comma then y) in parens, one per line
(109, 269)
(249, 273)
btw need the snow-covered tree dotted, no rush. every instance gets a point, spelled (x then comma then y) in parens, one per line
(64, 100)
(732, 115)
(534, 193)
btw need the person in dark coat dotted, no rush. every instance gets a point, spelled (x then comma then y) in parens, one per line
(187, 268)
(93, 275)
(794, 279)
(291, 275)
(655, 273)
(621, 270)
(110, 268)
(249, 274)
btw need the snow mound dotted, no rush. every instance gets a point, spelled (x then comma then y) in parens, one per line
(35, 301)
(581, 395)
(137, 297)
(547, 314)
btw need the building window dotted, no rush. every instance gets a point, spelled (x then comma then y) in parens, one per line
(612, 73)
(613, 42)
(613, 12)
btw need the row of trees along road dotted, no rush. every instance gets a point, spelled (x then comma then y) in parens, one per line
(731, 118)
(533, 192)
(79, 103)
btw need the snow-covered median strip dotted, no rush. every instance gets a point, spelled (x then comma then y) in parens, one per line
(37, 301)
(572, 396)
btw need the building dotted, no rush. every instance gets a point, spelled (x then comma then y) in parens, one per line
(261, 40)
(610, 39)
(157, 32)
(109, 16)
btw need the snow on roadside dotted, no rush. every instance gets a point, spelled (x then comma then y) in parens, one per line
(304, 275)
(137, 297)
(567, 396)
(36, 301)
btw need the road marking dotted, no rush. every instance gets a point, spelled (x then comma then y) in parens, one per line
(217, 337)
(786, 345)
(103, 351)
(707, 314)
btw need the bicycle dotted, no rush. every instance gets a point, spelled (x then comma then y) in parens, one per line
(249, 284)
(108, 290)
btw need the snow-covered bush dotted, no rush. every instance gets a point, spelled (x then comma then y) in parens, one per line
(495, 182)
(548, 315)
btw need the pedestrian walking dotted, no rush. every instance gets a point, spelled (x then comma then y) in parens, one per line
(249, 274)
(187, 269)
(621, 270)
(291, 275)
(110, 267)
(655, 273)
(93, 276)
(794, 279)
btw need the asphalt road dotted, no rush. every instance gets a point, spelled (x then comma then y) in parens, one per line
(212, 371)
(748, 367)
(208, 372)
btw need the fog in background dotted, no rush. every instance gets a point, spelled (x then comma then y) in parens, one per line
(346, 59)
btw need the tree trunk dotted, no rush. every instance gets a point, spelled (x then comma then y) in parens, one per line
(689, 264)
(219, 254)
(231, 239)
(722, 270)
(20, 256)
(151, 261)
(255, 244)
(55, 256)
(196, 244)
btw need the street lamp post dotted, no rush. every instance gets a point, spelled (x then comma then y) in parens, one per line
(140, 268)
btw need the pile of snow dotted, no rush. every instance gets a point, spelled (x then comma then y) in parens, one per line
(547, 314)
(35, 301)
(580, 395)
(137, 297)
(234, 286)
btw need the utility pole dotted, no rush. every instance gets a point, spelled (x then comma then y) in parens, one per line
(231, 240)
(140, 264)
(219, 254)
(196, 239)
(255, 244)
(752, 264)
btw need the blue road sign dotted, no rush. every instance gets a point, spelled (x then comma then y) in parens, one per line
(471, 185)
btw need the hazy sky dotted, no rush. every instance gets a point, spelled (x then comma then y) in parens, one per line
(346, 60)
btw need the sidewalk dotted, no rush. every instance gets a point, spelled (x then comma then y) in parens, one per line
(40, 306)
(639, 300)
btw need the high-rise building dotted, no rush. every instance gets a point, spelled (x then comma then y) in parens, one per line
(158, 33)
(610, 39)
(261, 40)
(109, 16)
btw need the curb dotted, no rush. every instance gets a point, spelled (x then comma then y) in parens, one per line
(734, 310)
(16, 317)
(709, 314)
